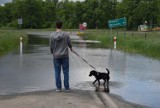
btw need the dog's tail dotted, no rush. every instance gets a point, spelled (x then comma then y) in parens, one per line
(108, 71)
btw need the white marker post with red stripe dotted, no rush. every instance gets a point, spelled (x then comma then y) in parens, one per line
(115, 39)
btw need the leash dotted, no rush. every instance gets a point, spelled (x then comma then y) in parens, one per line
(84, 60)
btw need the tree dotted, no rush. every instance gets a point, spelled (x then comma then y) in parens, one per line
(158, 13)
(7, 15)
(128, 9)
(90, 15)
(39, 13)
(108, 12)
(1, 16)
(33, 17)
(49, 13)
(66, 13)
(138, 11)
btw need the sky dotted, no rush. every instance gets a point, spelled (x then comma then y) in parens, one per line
(5, 1)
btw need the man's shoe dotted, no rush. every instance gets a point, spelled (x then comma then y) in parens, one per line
(67, 90)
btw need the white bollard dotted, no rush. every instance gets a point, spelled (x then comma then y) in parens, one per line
(21, 51)
(20, 39)
(115, 42)
(21, 46)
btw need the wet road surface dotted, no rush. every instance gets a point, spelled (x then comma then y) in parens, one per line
(134, 77)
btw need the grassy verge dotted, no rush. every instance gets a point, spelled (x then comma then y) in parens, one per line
(9, 40)
(147, 44)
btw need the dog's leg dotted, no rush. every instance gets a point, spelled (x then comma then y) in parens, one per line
(94, 81)
(104, 84)
(107, 82)
(108, 90)
(99, 83)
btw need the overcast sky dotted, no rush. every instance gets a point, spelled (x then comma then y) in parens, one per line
(5, 1)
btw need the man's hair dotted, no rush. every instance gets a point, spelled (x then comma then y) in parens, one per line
(59, 24)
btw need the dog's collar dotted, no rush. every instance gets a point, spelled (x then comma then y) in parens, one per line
(97, 73)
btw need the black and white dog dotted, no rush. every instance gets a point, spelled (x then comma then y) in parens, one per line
(99, 76)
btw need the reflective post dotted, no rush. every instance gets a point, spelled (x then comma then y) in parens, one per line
(115, 42)
(21, 51)
(21, 47)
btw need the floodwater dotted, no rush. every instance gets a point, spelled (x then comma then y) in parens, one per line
(134, 77)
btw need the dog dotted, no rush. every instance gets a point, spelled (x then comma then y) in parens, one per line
(99, 76)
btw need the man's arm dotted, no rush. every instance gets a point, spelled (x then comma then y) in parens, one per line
(69, 43)
(51, 44)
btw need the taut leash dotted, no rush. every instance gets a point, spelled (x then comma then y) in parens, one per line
(84, 60)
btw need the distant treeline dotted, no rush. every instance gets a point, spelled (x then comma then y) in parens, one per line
(43, 14)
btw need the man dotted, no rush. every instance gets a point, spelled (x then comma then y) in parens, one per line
(59, 43)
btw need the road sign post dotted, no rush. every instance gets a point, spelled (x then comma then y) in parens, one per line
(20, 22)
(116, 23)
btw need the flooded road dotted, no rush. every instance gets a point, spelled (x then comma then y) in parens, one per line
(134, 77)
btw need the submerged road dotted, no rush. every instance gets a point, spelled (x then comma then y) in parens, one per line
(133, 77)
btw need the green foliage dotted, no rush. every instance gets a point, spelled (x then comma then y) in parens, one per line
(138, 11)
(101, 36)
(9, 40)
(130, 42)
(43, 14)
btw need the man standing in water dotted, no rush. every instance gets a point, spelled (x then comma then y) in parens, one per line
(59, 43)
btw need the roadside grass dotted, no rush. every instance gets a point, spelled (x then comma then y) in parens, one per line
(10, 37)
(9, 40)
(145, 43)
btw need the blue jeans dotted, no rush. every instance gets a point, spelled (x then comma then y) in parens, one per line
(64, 63)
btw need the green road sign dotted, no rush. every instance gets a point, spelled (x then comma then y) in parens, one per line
(117, 22)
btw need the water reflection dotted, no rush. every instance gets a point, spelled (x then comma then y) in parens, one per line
(98, 88)
(35, 40)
